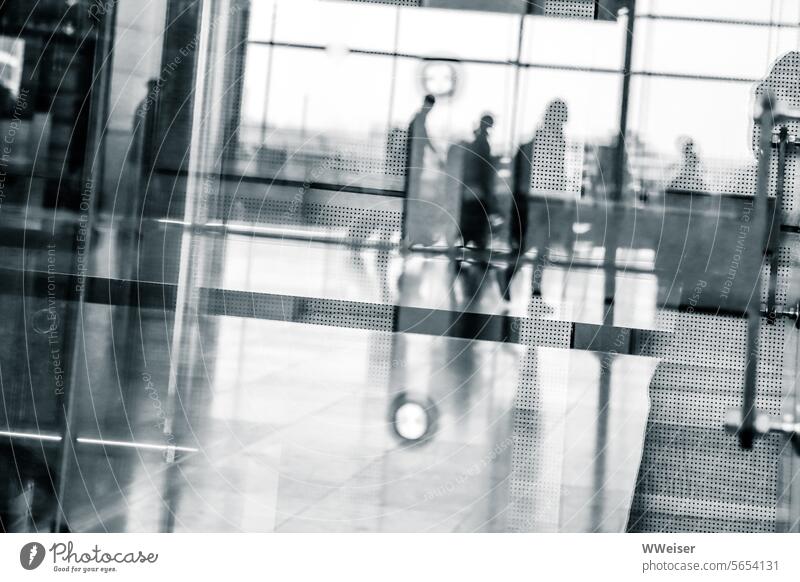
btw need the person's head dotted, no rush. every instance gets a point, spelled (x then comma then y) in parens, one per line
(486, 123)
(428, 103)
(556, 114)
(686, 145)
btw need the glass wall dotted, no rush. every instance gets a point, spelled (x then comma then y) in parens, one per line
(382, 72)
(362, 85)
(211, 324)
(704, 89)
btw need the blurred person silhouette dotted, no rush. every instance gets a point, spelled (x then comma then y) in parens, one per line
(144, 143)
(783, 83)
(139, 169)
(547, 150)
(478, 203)
(479, 215)
(689, 176)
(418, 140)
(27, 489)
(538, 168)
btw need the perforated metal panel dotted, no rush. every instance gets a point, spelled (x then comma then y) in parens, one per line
(535, 486)
(359, 221)
(583, 9)
(694, 476)
(563, 8)
(783, 83)
(543, 332)
(375, 161)
(556, 164)
(726, 177)
(394, 2)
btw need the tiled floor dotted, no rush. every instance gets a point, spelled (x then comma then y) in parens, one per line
(286, 419)
(288, 424)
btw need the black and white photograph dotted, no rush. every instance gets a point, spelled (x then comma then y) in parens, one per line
(400, 267)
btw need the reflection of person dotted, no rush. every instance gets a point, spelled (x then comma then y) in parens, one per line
(477, 189)
(548, 150)
(414, 222)
(538, 168)
(139, 177)
(27, 494)
(689, 176)
(418, 140)
(783, 82)
(144, 125)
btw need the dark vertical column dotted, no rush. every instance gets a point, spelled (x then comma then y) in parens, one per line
(618, 172)
(93, 108)
(173, 126)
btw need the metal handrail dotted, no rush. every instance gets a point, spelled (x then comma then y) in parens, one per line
(748, 423)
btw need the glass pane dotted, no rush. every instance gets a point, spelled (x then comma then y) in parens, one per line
(470, 34)
(562, 122)
(477, 89)
(592, 115)
(573, 43)
(236, 299)
(336, 25)
(716, 115)
(740, 52)
(254, 98)
(359, 105)
(774, 12)
(338, 136)
(262, 20)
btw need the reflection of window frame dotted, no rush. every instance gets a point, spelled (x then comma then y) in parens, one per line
(519, 63)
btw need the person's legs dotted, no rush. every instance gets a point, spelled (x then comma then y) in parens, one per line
(518, 227)
(469, 224)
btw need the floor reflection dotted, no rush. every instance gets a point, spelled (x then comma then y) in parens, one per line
(296, 437)
(288, 426)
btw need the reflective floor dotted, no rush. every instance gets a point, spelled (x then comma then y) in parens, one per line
(333, 387)
(294, 434)
(287, 425)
